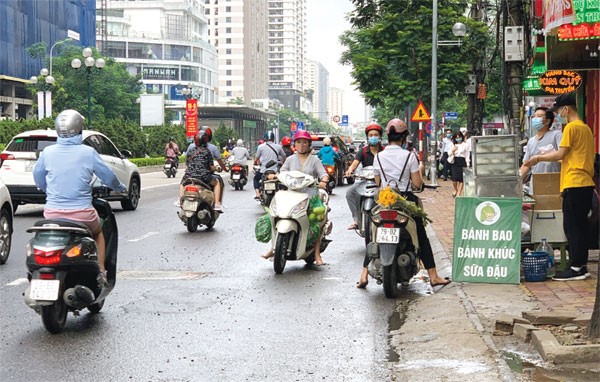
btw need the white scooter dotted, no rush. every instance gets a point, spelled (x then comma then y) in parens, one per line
(289, 213)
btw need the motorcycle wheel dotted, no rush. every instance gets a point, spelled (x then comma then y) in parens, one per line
(192, 224)
(390, 281)
(95, 308)
(54, 317)
(283, 243)
(339, 176)
(236, 186)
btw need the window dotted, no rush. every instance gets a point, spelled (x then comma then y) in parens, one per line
(227, 19)
(228, 72)
(228, 30)
(228, 83)
(228, 51)
(228, 9)
(227, 41)
(229, 93)
(227, 62)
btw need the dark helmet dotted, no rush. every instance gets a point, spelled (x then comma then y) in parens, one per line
(396, 126)
(208, 132)
(286, 141)
(373, 126)
(172, 139)
(68, 123)
(269, 136)
(201, 138)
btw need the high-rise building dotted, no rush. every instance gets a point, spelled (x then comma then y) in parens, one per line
(287, 49)
(335, 102)
(238, 28)
(316, 82)
(163, 41)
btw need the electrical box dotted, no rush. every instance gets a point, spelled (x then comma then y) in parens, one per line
(514, 44)
(471, 85)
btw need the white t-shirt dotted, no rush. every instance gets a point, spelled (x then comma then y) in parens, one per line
(388, 165)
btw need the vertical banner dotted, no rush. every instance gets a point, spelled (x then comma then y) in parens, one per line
(487, 240)
(41, 104)
(48, 105)
(191, 117)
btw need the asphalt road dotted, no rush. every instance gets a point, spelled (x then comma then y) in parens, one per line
(205, 306)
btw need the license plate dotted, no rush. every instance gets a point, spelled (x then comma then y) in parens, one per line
(189, 205)
(46, 290)
(235, 176)
(388, 235)
(270, 186)
(168, 166)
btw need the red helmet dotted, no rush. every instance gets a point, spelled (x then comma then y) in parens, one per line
(396, 126)
(286, 141)
(373, 126)
(201, 139)
(302, 134)
(208, 133)
(260, 142)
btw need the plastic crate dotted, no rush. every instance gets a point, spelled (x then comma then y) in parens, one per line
(535, 265)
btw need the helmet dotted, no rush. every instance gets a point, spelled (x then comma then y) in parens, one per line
(68, 123)
(373, 126)
(208, 132)
(240, 142)
(172, 139)
(327, 141)
(286, 141)
(302, 134)
(269, 136)
(395, 126)
(201, 138)
(260, 142)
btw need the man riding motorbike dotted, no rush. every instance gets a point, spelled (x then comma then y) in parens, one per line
(240, 155)
(327, 154)
(266, 153)
(214, 150)
(303, 161)
(65, 171)
(286, 144)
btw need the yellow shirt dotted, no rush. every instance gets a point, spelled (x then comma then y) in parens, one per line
(577, 168)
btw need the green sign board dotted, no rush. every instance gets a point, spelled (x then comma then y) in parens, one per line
(586, 11)
(249, 124)
(487, 240)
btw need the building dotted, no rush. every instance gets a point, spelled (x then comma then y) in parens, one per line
(287, 42)
(24, 23)
(238, 29)
(335, 104)
(166, 42)
(316, 83)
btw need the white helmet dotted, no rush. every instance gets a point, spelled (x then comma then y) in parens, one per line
(327, 141)
(68, 123)
(240, 142)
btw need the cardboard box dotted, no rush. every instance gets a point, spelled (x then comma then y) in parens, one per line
(547, 202)
(547, 224)
(546, 191)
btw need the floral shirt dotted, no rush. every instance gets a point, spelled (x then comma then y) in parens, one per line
(198, 163)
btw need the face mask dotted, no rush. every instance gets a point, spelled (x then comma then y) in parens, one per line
(448, 135)
(537, 123)
(404, 146)
(561, 119)
(374, 141)
(458, 140)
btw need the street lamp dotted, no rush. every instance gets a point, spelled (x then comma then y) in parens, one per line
(52, 47)
(90, 63)
(459, 30)
(44, 95)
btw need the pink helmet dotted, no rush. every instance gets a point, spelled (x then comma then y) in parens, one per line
(396, 126)
(302, 134)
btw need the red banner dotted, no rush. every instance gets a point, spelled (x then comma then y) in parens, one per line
(583, 31)
(191, 117)
(557, 13)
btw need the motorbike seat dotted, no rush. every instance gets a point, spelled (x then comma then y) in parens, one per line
(60, 224)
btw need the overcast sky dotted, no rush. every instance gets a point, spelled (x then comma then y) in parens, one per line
(326, 22)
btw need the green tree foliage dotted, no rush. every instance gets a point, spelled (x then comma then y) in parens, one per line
(222, 135)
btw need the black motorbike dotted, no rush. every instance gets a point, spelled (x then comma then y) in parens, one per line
(237, 176)
(170, 167)
(268, 187)
(63, 271)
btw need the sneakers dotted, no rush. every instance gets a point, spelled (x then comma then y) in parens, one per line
(571, 274)
(257, 198)
(218, 208)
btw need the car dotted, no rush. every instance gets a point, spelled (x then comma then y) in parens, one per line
(6, 223)
(21, 153)
(344, 151)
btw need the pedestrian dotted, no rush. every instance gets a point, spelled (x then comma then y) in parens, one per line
(469, 140)
(460, 151)
(576, 152)
(445, 149)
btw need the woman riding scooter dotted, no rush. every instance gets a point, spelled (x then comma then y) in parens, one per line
(303, 161)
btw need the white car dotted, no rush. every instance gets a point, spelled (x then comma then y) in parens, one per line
(6, 223)
(21, 153)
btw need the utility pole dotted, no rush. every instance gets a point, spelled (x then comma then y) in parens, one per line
(474, 109)
(514, 44)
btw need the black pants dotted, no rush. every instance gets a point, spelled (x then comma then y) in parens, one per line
(256, 180)
(446, 168)
(577, 203)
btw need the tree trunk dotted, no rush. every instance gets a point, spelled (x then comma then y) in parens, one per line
(594, 326)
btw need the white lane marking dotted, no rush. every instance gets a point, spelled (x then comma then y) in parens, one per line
(20, 281)
(332, 278)
(144, 236)
(158, 186)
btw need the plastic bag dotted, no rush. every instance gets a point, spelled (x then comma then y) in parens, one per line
(262, 230)
(450, 159)
(316, 215)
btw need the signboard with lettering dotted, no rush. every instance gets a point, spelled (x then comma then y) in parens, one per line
(487, 240)
(191, 117)
(557, 13)
(560, 81)
(159, 73)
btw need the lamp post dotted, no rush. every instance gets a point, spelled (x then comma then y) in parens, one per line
(44, 95)
(90, 62)
(52, 47)
(459, 30)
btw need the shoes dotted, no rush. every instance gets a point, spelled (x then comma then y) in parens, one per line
(257, 198)
(352, 226)
(218, 208)
(570, 274)
(448, 281)
(362, 284)
(101, 279)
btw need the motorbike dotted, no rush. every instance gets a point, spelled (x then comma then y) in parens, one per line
(268, 187)
(62, 267)
(331, 183)
(237, 175)
(170, 167)
(289, 214)
(196, 206)
(366, 189)
(394, 251)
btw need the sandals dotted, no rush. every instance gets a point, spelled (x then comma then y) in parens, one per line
(353, 226)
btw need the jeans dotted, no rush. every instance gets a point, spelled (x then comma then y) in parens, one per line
(256, 180)
(577, 203)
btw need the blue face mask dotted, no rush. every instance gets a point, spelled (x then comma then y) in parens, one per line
(458, 140)
(537, 123)
(374, 141)
(448, 135)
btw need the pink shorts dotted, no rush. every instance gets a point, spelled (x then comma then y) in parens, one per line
(87, 216)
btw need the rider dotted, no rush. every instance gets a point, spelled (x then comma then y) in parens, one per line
(172, 151)
(214, 150)
(265, 153)
(286, 144)
(327, 154)
(199, 163)
(240, 155)
(308, 164)
(65, 171)
(365, 157)
(390, 165)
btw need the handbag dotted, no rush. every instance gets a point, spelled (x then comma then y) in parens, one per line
(450, 159)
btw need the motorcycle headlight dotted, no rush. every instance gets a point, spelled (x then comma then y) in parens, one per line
(299, 207)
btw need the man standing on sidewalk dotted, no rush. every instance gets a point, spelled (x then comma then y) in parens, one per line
(576, 183)
(445, 149)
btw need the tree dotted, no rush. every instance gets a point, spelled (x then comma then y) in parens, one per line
(222, 135)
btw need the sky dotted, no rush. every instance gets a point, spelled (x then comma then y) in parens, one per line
(326, 22)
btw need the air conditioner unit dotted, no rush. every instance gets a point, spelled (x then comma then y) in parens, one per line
(514, 44)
